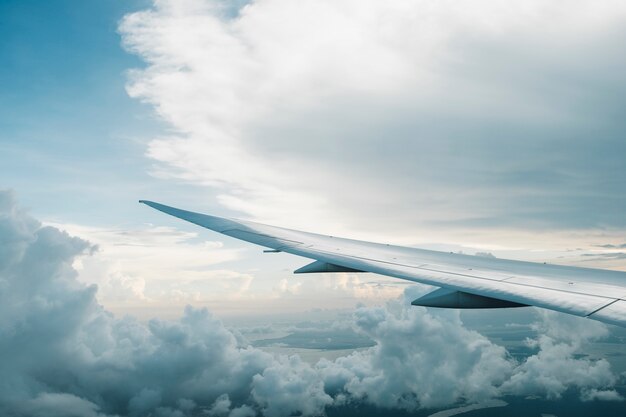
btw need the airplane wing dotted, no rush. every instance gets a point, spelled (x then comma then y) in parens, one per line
(466, 281)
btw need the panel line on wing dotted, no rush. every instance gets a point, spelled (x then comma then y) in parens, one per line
(603, 307)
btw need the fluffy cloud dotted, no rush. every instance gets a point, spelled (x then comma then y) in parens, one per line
(68, 353)
(455, 117)
(554, 369)
(53, 405)
(64, 354)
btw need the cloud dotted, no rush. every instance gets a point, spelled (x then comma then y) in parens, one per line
(61, 341)
(607, 395)
(607, 255)
(454, 118)
(61, 405)
(451, 362)
(555, 368)
(612, 246)
(69, 356)
(290, 386)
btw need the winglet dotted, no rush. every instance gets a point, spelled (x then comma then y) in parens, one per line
(149, 203)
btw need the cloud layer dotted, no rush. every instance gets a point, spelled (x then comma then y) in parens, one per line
(64, 354)
(452, 116)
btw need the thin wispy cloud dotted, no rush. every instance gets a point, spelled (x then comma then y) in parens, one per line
(612, 246)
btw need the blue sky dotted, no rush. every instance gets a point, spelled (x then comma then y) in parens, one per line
(483, 127)
(66, 117)
(72, 140)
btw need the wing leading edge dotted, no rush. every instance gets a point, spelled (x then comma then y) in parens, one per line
(470, 280)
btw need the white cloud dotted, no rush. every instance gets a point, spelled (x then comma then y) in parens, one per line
(417, 115)
(221, 406)
(61, 405)
(555, 368)
(602, 395)
(290, 386)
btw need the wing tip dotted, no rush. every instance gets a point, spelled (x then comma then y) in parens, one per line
(160, 207)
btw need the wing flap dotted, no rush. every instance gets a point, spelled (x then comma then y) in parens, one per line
(323, 267)
(446, 298)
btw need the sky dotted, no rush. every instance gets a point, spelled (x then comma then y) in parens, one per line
(485, 127)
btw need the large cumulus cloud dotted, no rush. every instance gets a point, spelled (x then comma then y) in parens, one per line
(64, 354)
(62, 351)
(475, 115)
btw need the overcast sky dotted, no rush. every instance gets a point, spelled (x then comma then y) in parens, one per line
(490, 127)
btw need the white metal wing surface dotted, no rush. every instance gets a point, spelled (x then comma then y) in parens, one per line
(466, 281)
